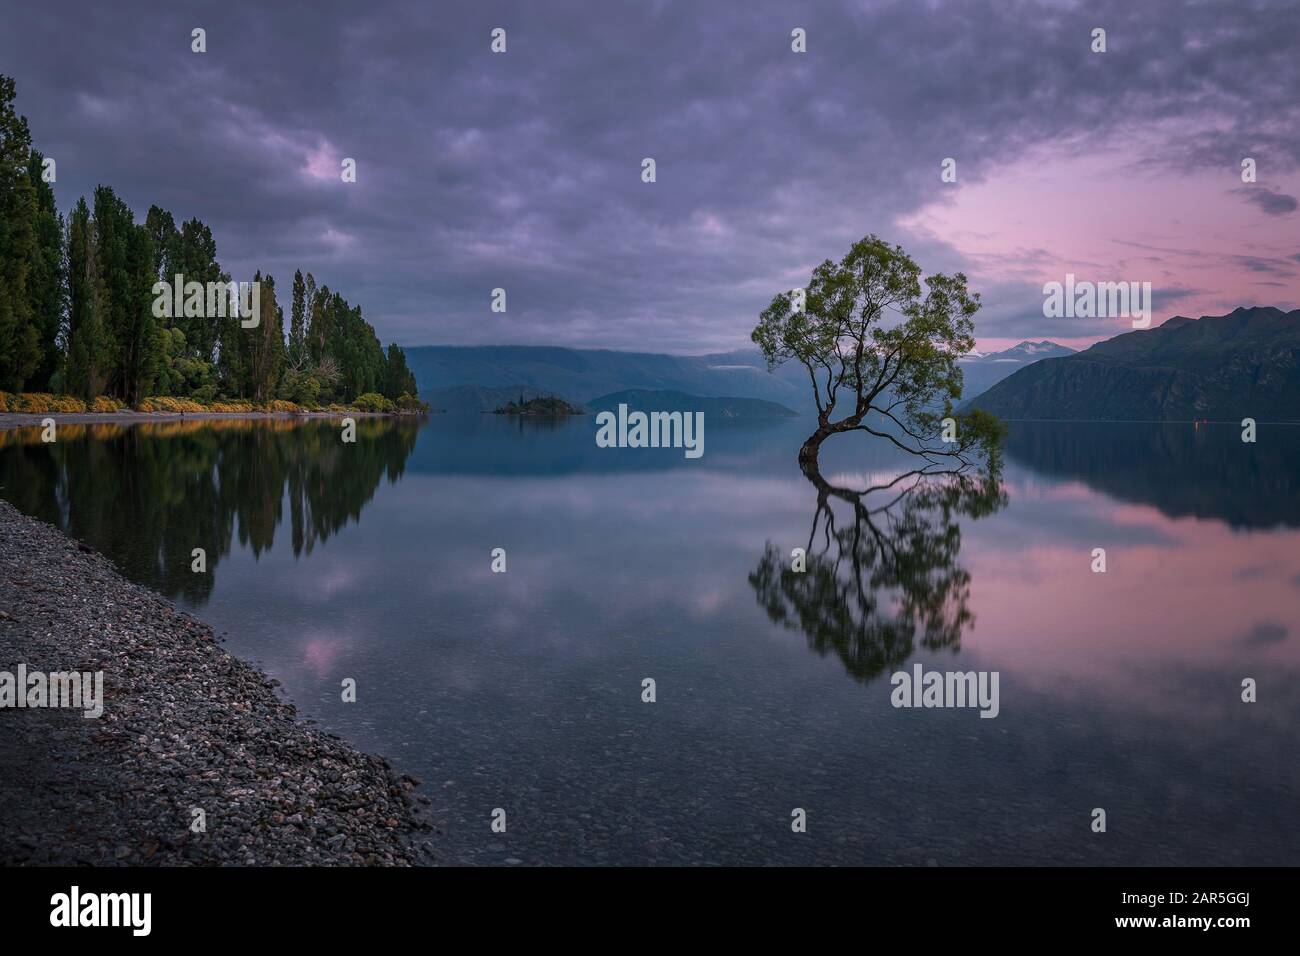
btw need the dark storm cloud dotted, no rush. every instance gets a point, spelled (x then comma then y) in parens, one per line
(522, 170)
(1264, 634)
(1268, 266)
(1273, 202)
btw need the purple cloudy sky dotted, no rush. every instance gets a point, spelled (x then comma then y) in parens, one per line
(522, 170)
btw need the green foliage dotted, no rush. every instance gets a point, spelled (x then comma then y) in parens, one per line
(141, 356)
(76, 306)
(181, 372)
(297, 350)
(265, 343)
(89, 353)
(46, 282)
(112, 332)
(197, 262)
(166, 242)
(398, 379)
(20, 336)
(299, 387)
(372, 402)
(881, 354)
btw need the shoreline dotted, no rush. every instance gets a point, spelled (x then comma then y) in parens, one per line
(185, 726)
(128, 417)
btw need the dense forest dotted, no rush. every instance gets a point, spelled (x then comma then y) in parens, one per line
(78, 310)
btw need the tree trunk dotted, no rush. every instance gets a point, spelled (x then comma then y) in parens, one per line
(808, 452)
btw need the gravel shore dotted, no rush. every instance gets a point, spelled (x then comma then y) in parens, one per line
(185, 727)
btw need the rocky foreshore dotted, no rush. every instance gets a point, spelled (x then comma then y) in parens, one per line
(189, 734)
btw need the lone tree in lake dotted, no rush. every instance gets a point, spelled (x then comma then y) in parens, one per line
(883, 356)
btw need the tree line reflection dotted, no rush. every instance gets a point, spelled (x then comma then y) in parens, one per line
(147, 495)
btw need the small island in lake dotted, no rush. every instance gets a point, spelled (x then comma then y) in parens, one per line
(549, 407)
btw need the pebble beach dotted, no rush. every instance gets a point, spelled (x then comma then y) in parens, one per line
(196, 758)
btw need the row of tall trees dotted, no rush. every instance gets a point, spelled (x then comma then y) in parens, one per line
(330, 346)
(77, 305)
(31, 282)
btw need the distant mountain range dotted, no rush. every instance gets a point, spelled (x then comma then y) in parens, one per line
(580, 375)
(1226, 367)
(651, 400)
(1244, 364)
(481, 378)
(981, 371)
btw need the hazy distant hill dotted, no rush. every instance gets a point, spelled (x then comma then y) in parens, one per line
(579, 375)
(982, 372)
(582, 374)
(1244, 364)
(646, 400)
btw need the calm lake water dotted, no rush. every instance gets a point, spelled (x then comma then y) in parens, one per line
(523, 690)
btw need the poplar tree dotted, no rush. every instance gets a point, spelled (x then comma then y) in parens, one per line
(46, 283)
(140, 353)
(88, 353)
(113, 229)
(398, 380)
(265, 345)
(166, 243)
(19, 335)
(234, 349)
(297, 318)
(316, 324)
(197, 262)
